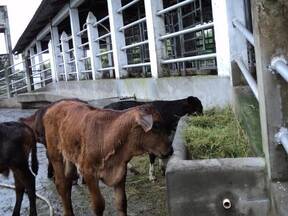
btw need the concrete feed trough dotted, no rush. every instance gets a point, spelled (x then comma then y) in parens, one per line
(216, 186)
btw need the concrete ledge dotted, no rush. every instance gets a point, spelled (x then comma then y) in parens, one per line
(211, 90)
(198, 187)
(9, 103)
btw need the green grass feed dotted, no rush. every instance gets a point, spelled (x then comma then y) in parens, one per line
(216, 134)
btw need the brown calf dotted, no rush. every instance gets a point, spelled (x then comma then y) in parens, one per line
(100, 143)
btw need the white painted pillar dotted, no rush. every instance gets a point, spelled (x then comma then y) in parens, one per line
(52, 62)
(32, 59)
(92, 33)
(55, 58)
(109, 56)
(117, 38)
(66, 56)
(34, 68)
(39, 58)
(230, 44)
(78, 52)
(155, 29)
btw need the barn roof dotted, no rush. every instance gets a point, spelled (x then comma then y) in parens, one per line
(45, 12)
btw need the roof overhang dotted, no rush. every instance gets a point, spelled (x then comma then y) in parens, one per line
(42, 17)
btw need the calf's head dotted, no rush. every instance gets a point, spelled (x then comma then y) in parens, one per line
(150, 134)
(193, 106)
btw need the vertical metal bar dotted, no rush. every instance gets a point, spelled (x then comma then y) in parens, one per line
(7, 80)
(66, 56)
(117, 38)
(92, 33)
(28, 73)
(78, 52)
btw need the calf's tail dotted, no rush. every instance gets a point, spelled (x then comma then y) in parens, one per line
(34, 160)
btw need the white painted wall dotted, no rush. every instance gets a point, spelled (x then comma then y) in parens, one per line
(230, 44)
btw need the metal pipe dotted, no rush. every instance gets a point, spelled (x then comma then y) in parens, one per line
(83, 45)
(17, 81)
(245, 32)
(22, 62)
(47, 50)
(101, 20)
(105, 69)
(127, 6)
(247, 75)
(81, 32)
(84, 58)
(134, 45)
(70, 50)
(103, 36)
(19, 89)
(132, 24)
(226, 204)
(104, 53)
(279, 64)
(22, 71)
(49, 78)
(282, 138)
(173, 7)
(71, 62)
(136, 65)
(86, 71)
(185, 31)
(40, 63)
(191, 58)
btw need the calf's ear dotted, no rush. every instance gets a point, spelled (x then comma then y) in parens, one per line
(145, 121)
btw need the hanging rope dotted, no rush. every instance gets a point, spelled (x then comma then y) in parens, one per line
(51, 211)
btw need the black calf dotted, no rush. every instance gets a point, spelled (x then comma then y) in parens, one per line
(171, 111)
(16, 142)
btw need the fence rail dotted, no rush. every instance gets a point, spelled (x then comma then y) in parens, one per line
(186, 31)
(174, 7)
(120, 10)
(245, 32)
(247, 75)
(279, 64)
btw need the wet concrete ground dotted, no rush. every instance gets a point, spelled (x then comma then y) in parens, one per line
(144, 198)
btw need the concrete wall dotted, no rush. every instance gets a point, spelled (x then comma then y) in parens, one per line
(199, 187)
(212, 90)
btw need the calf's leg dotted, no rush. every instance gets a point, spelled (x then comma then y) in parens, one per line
(27, 180)
(63, 185)
(152, 176)
(98, 202)
(120, 198)
(19, 188)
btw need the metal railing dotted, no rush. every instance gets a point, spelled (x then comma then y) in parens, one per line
(136, 65)
(245, 32)
(102, 37)
(132, 24)
(174, 7)
(244, 70)
(186, 31)
(279, 64)
(282, 138)
(120, 10)
(190, 58)
(134, 45)
(101, 21)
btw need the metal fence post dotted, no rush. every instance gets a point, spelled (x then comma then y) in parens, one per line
(28, 73)
(92, 33)
(7, 80)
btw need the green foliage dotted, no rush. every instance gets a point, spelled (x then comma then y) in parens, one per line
(216, 134)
